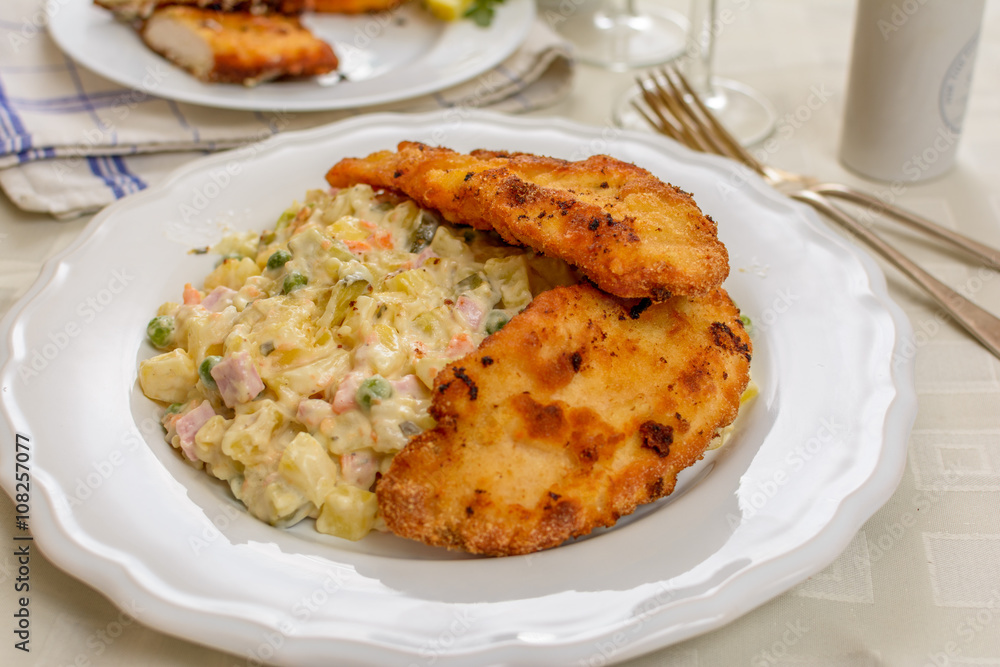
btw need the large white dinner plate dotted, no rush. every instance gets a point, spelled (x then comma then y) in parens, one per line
(816, 453)
(384, 57)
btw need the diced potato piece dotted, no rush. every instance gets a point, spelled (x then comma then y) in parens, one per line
(286, 327)
(308, 243)
(511, 275)
(388, 355)
(415, 282)
(307, 467)
(340, 206)
(427, 368)
(284, 500)
(349, 228)
(342, 295)
(360, 196)
(247, 440)
(204, 333)
(321, 198)
(313, 377)
(168, 308)
(243, 244)
(430, 325)
(447, 244)
(208, 448)
(232, 273)
(348, 512)
(168, 377)
(358, 323)
(406, 214)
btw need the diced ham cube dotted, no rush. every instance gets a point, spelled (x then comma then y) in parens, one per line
(219, 299)
(189, 424)
(471, 311)
(237, 379)
(345, 398)
(312, 411)
(359, 468)
(408, 385)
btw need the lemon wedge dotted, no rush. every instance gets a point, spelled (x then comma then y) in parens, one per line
(448, 10)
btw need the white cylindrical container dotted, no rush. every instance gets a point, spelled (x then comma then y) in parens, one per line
(911, 69)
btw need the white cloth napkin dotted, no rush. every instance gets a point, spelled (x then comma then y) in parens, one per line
(72, 142)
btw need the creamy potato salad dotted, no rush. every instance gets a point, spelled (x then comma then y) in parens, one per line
(305, 361)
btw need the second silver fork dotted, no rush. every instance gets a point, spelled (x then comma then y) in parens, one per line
(674, 110)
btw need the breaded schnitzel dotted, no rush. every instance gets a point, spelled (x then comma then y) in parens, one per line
(582, 408)
(236, 47)
(130, 10)
(627, 231)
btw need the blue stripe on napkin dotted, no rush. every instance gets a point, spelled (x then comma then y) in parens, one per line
(88, 105)
(15, 138)
(113, 172)
(119, 163)
(179, 115)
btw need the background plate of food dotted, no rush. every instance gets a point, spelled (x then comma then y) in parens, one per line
(343, 60)
(818, 450)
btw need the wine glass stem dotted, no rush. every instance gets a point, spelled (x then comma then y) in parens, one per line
(701, 46)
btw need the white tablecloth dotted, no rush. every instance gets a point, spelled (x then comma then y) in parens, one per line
(920, 583)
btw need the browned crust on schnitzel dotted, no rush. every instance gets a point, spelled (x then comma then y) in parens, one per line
(582, 408)
(632, 234)
(352, 6)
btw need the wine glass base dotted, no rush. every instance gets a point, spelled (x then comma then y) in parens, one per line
(748, 115)
(616, 40)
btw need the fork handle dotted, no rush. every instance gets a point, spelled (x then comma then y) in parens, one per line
(980, 323)
(990, 256)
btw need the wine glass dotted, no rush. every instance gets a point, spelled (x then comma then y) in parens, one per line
(748, 115)
(619, 34)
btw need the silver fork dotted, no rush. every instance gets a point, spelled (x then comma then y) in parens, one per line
(674, 110)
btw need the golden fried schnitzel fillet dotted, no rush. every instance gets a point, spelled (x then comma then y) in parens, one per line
(581, 408)
(130, 10)
(627, 231)
(237, 47)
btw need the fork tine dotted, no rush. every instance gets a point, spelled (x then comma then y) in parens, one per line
(671, 95)
(690, 127)
(663, 124)
(734, 148)
(672, 123)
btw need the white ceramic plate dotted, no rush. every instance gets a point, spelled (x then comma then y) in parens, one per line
(385, 57)
(816, 453)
